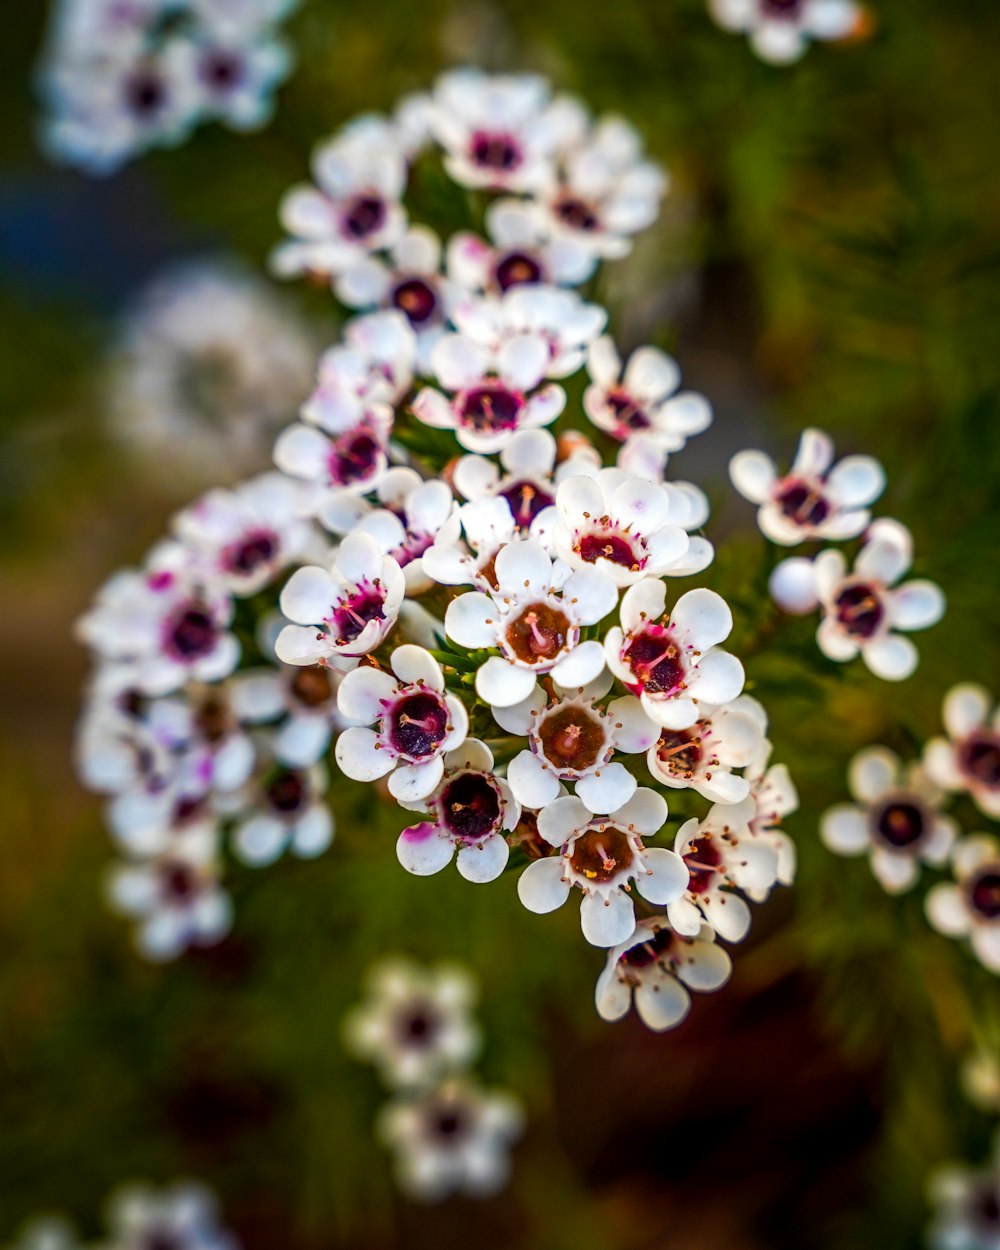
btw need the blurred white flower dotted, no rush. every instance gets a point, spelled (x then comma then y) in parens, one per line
(969, 907)
(780, 30)
(969, 758)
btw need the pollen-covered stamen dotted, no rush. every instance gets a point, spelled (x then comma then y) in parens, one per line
(415, 298)
(539, 634)
(418, 724)
(470, 806)
(490, 408)
(526, 500)
(312, 686)
(803, 503)
(576, 213)
(516, 269)
(363, 216)
(655, 660)
(191, 632)
(984, 891)
(613, 547)
(351, 615)
(681, 753)
(859, 610)
(900, 823)
(497, 151)
(704, 860)
(602, 854)
(629, 415)
(353, 457)
(979, 758)
(254, 550)
(286, 791)
(572, 737)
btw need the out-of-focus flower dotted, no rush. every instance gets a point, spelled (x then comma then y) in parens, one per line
(896, 820)
(183, 1216)
(966, 1203)
(980, 1076)
(780, 31)
(969, 758)
(969, 907)
(47, 1232)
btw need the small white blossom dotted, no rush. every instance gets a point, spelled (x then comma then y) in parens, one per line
(283, 809)
(520, 253)
(966, 1205)
(969, 758)
(704, 756)
(183, 1216)
(780, 30)
(970, 906)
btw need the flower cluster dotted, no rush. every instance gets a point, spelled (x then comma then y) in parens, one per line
(447, 1133)
(780, 31)
(478, 609)
(120, 78)
(898, 821)
(183, 1217)
(966, 1203)
(863, 607)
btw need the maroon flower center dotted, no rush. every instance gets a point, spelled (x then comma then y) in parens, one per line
(312, 686)
(417, 299)
(629, 415)
(363, 216)
(901, 823)
(986, 1208)
(979, 759)
(145, 93)
(680, 752)
(470, 806)
(179, 883)
(191, 633)
(448, 1123)
(526, 500)
(803, 504)
(497, 151)
(602, 854)
(539, 633)
(612, 547)
(287, 791)
(859, 610)
(786, 9)
(572, 738)
(649, 952)
(419, 724)
(161, 1239)
(255, 550)
(352, 615)
(655, 660)
(353, 457)
(221, 70)
(418, 1025)
(517, 269)
(577, 214)
(984, 892)
(704, 860)
(490, 407)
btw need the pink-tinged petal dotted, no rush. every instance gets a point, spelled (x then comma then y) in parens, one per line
(471, 620)
(424, 850)
(718, 678)
(533, 784)
(645, 812)
(753, 474)
(633, 730)
(608, 789)
(483, 861)
(581, 665)
(502, 684)
(413, 664)
(411, 782)
(541, 887)
(814, 455)
(606, 922)
(666, 876)
(643, 602)
(308, 595)
(873, 773)
(966, 707)
(562, 818)
(662, 1004)
(844, 829)
(856, 481)
(433, 409)
(644, 505)
(893, 657)
(793, 586)
(363, 694)
(946, 910)
(916, 605)
(359, 755)
(545, 405)
(701, 618)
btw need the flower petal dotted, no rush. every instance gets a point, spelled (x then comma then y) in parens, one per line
(541, 887)
(606, 921)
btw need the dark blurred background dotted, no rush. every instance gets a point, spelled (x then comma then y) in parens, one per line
(829, 255)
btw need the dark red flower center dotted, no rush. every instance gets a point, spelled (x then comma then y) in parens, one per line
(802, 503)
(704, 860)
(526, 500)
(979, 759)
(353, 457)
(655, 660)
(363, 216)
(417, 299)
(353, 614)
(577, 214)
(787, 9)
(859, 610)
(287, 791)
(497, 151)
(517, 269)
(539, 633)
(449, 1123)
(612, 547)
(192, 632)
(648, 952)
(984, 892)
(179, 882)
(490, 407)
(470, 806)
(901, 823)
(256, 549)
(629, 415)
(572, 738)
(221, 69)
(602, 854)
(418, 724)
(680, 751)
(418, 1025)
(145, 93)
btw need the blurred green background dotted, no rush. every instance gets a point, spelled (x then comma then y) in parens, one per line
(829, 255)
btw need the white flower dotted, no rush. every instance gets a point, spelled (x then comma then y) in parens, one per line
(344, 612)
(183, 1216)
(970, 907)
(780, 30)
(969, 759)
(603, 856)
(816, 499)
(773, 797)
(47, 1232)
(863, 609)
(721, 856)
(246, 536)
(169, 624)
(643, 400)
(657, 967)
(534, 617)
(966, 1205)
(175, 898)
(673, 664)
(703, 757)
(793, 586)
(303, 697)
(498, 131)
(627, 528)
(454, 1139)
(571, 739)
(236, 72)
(493, 394)
(417, 721)
(412, 516)
(284, 809)
(487, 525)
(353, 209)
(520, 253)
(896, 820)
(415, 1024)
(980, 1076)
(470, 806)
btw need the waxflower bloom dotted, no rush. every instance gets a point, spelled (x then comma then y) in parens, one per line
(603, 856)
(672, 663)
(704, 756)
(534, 617)
(780, 30)
(286, 811)
(966, 1203)
(417, 724)
(520, 252)
(969, 758)
(896, 819)
(415, 1024)
(184, 1216)
(970, 906)
(470, 809)
(342, 613)
(655, 968)
(816, 499)
(862, 610)
(772, 797)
